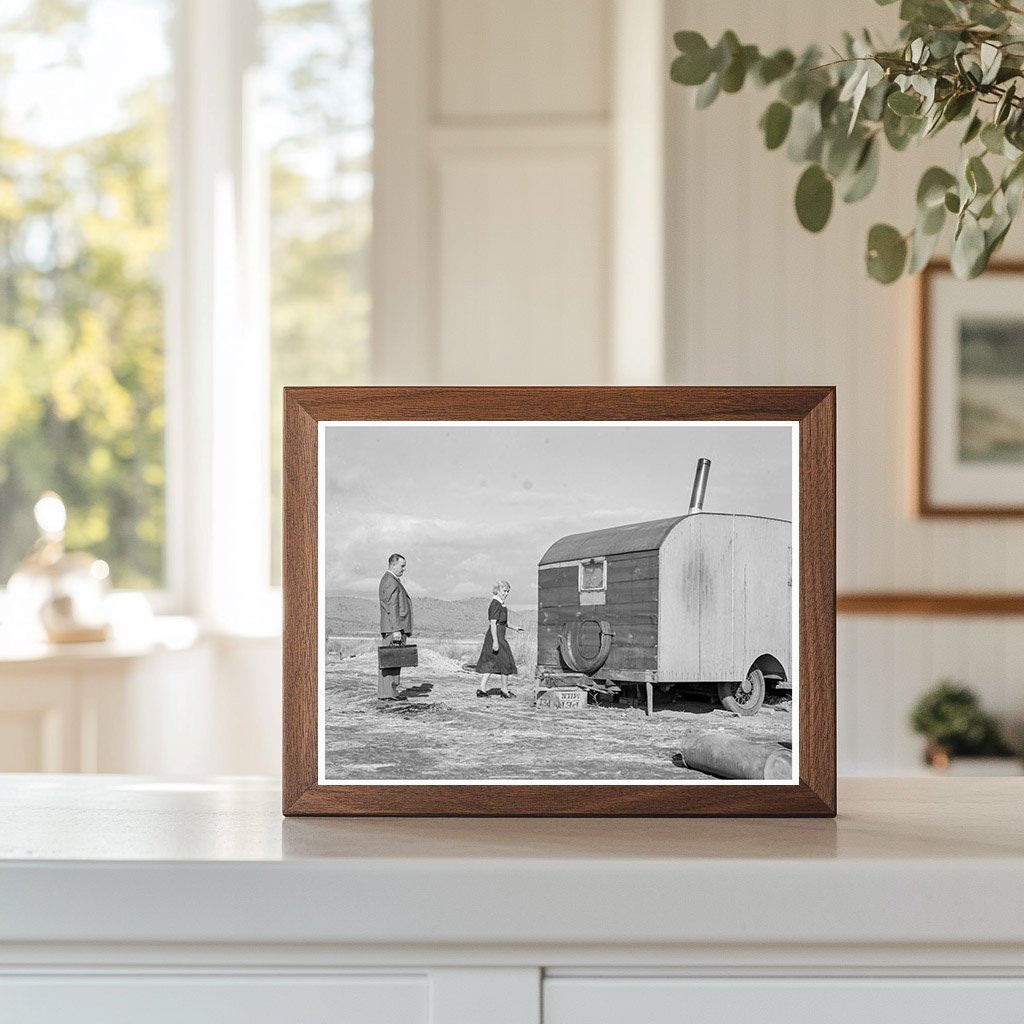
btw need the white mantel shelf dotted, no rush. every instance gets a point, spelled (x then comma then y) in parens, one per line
(125, 899)
(106, 859)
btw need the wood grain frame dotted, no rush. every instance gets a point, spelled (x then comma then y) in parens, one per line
(812, 407)
(929, 603)
(922, 503)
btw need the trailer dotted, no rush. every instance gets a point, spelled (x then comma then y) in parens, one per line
(701, 600)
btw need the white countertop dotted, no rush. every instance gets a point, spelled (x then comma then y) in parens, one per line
(122, 859)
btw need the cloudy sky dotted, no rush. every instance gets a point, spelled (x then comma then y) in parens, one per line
(469, 504)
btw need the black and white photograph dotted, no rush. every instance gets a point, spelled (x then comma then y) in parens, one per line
(571, 602)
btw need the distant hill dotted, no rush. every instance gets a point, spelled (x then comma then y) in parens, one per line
(360, 616)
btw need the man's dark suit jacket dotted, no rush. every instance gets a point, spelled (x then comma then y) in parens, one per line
(395, 606)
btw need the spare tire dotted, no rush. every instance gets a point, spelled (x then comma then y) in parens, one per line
(572, 647)
(746, 697)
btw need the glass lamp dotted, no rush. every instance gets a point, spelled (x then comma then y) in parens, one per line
(55, 595)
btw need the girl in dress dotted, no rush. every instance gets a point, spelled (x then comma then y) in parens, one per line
(496, 655)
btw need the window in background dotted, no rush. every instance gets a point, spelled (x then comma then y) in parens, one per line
(317, 122)
(83, 237)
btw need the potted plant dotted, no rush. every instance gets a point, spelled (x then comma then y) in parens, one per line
(956, 62)
(950, 718)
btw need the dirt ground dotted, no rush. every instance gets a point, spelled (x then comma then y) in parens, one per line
(444, 731)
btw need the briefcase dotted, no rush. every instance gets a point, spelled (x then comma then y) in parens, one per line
(398, 656)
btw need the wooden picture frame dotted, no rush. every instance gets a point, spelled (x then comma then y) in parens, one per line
(960, 471)
(310, 412)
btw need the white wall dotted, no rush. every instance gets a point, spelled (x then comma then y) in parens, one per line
(513, 157)
(501, 131)
(754, 299)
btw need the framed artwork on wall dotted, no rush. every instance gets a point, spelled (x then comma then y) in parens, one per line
(970, 377)
(559, 601)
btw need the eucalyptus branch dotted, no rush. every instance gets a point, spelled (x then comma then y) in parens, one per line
(952, 62)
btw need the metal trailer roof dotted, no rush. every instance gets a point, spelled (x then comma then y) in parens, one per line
(616, 540)
(619, 540)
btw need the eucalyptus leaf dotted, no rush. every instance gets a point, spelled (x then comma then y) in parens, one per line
(958, 105)
(1013, 173)
(886, 253)
(827, 106)
(735, 74)
(707, 93)
(865, 173)
(931, 190)
(775, 122)
(805, 133)
(991, 60)
(968, 247)
(814, 195)
(987, 15)
(932, 221)
(840, 152)
(1013, 187)
(900, 130)
(687, 72)
(993, 138)
(817, 84)
(922, 248)
(966, 188)
(903, 103)
(1005, 105)
(688, 41)
(771, 69)
(973, 129)
(995, 233)
(925, 88)
(724, 51)
(794, 88)
(854, 92)
(873, 106)
(1013, 191)
(978, 176)
(952, 202)
(944, 44)
(930, 12)
(853, 83)
(933, 122)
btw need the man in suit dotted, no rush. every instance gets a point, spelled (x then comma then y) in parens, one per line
(395, 622)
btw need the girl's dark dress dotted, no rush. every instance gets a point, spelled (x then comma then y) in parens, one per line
(502, 663)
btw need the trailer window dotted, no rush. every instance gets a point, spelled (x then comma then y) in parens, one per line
(593, 575)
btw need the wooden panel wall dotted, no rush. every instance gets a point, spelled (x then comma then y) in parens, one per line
(528, 59)
(631, 607)
(521, 277)
(522, 198)
(752, 298)
(493, 196)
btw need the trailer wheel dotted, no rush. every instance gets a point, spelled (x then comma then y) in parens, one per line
(746, 697)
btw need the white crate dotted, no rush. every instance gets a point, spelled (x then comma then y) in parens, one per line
(563, 697)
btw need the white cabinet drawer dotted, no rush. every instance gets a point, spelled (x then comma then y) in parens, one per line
(205, 999)
(624, 1000)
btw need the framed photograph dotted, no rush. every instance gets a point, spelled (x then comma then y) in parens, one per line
(559, 601)
(970, 444)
